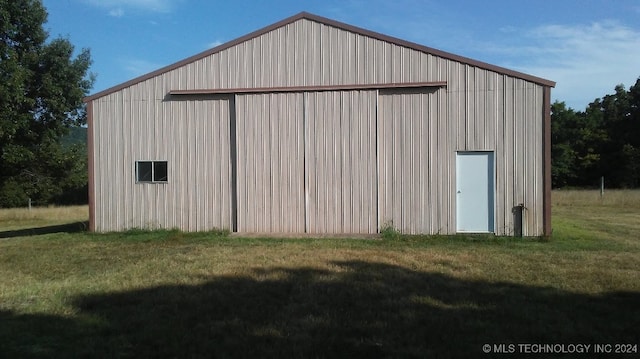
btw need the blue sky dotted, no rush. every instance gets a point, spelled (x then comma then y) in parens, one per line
(586, 46)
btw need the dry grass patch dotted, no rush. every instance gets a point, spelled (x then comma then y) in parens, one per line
(21, 218)
(615, 198)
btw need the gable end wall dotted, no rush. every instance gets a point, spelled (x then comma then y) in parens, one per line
(478, 110)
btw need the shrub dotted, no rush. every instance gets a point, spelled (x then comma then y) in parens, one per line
(388, 231)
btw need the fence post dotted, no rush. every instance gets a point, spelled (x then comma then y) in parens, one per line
(29, 204)
(601, 186)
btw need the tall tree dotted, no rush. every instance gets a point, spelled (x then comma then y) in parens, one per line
(632, 148)
(41, 91)
(564, 132)
(621, 150)
(577, 139)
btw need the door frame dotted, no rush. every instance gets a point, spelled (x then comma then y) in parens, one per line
(491, 188)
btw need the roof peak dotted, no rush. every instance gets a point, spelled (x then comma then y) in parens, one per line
(329, 22)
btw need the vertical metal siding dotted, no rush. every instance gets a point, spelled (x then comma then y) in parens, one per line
(340, 162)
(305, 53)
(414, 196)
(192, 135)
(270, 163)
(417, 137)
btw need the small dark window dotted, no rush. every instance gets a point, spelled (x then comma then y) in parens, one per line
(160, 171)
(152, 171)
(145, 170)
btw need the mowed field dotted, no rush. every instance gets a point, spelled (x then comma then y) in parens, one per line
(65, 293)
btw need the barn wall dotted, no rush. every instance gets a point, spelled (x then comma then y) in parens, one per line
(192, 135)
(270, 163)
(307, 162)
(304, 53)
(340, 165)
(493, 112)
(478, 110)
(415, 159)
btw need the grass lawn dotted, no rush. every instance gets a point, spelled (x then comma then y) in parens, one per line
(172, 294)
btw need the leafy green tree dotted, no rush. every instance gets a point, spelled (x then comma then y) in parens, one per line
(564, 130)
(631, 150)
(577, 139)
(602, 141)
(41, 89)
(621, 149)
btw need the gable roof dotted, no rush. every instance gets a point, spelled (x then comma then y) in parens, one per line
(336, 24)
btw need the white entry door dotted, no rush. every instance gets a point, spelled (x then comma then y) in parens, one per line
(475, 192)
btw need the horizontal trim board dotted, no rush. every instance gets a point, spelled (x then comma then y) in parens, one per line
(403, 85)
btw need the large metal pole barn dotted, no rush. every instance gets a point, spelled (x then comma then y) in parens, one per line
(314, 126)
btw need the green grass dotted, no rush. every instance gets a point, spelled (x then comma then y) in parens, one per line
(173, 294)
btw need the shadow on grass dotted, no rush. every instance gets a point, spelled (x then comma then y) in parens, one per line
(359, 309)
(62, 228)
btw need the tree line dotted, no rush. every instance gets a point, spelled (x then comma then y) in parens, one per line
(42, 83)
(601, 141)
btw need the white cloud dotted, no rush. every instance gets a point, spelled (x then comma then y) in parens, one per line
(138, 67)
(586, 61)
(213, 44)
(118, 6)
(117, 12)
